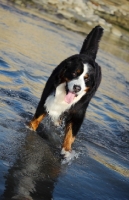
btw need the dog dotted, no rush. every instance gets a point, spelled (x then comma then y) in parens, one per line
(69, 90)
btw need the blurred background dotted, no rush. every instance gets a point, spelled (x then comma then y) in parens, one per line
(113, 15)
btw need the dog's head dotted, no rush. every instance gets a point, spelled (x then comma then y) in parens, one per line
(80, 72)
(79, 77)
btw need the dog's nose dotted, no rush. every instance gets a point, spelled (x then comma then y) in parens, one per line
(77, 88)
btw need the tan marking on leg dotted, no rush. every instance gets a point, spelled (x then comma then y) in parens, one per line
(68, 139)
(35, 122)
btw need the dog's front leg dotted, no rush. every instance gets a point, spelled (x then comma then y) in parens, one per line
(34, 123)
(71, 130)
(69, 138)
(38, 117)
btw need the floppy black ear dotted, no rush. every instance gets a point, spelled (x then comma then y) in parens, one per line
(91, 43)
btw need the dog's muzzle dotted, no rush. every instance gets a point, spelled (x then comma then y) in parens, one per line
(76, 88)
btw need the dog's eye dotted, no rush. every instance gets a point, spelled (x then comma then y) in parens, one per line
(86, 78)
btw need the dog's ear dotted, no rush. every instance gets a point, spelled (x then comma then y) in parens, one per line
(60, 75)
(91, 43)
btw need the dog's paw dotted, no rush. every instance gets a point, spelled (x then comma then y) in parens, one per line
(68, 156)
(29, 126)
(65, 154)
(33, 124)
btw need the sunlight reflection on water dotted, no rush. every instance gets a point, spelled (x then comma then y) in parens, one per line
(30, 49)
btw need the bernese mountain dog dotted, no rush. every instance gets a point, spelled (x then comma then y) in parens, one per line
(70, 88)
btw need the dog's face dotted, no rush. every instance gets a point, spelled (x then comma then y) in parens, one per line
(80, 81)
(79, 78)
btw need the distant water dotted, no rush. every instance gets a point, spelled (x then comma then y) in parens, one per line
(30, 48)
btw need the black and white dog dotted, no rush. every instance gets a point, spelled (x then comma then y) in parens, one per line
(70, 88)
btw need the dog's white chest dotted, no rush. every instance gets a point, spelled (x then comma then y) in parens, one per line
(55, 104)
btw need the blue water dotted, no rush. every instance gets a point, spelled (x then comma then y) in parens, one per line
(30, 165)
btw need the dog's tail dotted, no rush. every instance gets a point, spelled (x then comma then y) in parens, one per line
(91, 43)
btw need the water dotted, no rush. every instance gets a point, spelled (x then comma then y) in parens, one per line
(30, 165)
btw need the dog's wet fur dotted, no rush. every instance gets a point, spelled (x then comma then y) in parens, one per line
(70, 88)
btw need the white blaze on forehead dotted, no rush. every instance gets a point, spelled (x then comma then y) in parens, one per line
(79, 81)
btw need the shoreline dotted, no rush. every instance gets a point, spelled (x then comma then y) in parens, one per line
(67, 19)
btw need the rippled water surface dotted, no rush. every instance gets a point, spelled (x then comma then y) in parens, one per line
(30, 166)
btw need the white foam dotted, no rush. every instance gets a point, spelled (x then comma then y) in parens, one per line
(28, 127)
(69, 156)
